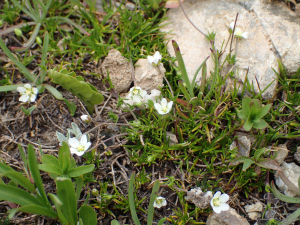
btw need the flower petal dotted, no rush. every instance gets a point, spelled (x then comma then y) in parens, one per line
(150, 59)
(224, 198)
(217, 209)
(28, 86)
(224, 207)
(158, 107)
(87, 146)
(217, 194)
(170, 105)
(21, 89)
(32, 97)
(35, 90)
(24, 98)
(74, 142)
(164, 102)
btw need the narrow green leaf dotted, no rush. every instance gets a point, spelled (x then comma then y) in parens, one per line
(181, 65)
(239, 160)
(9, 87)
(261, 124)
(44, 56)
(79, 185)
(24, 158)
(283, 197)
(20, 179)
(50, 159)
(246, 106)
(66, 193)
(58, 203)
(248, 125)
(247, 163)
(75, 172)
(161, 221)
(35, 173)
(115, 222)
(17, 195)
(24, 70)
(184, 91)
(263, 110)
(51, 169)
(291, 218)
(258, 153)
(38, 210)
(54, 92)
(66, 162)
(88, 215)
(132, 201)
(203, 64)
(63, 150)
(153, 196)
(4, 168)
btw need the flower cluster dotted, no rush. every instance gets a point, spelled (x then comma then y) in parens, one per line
(237, 32)
(137, 97)
(155, 60)
(27, 93)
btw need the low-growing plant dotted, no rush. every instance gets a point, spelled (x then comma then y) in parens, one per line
(252, 113)
(64, 165)
(32, 197)
(153, 196)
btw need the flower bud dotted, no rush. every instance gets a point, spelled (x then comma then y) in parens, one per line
(38, 40)
(95, 192)
(18, 32)
(86, 118)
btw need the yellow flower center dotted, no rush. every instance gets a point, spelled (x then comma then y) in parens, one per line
(136, 91)
(80, 148)
(216, 201)
(159, 201)
(28, 92)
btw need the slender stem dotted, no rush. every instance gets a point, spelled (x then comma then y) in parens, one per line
(233, 33)
(190, 20)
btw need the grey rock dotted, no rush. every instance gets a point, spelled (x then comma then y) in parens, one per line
(297, 155)
(148, 76)
(199, 198)
(229, 217)
(216, 15)
(282, 153)
(119, 70)
(243, 145)
(173, 139)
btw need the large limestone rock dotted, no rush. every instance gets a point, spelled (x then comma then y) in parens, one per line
(256, 52)
(119, 70)
(283, 28)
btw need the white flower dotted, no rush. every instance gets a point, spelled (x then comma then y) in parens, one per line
(218, 202)
(154, 59)
(79, 147)
(86, 118)
(136, 94)
(153, 96)
(163, 107)
(159, 202)
(237, 32)
(28, 93)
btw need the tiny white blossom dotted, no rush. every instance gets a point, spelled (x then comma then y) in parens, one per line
(163, 107)
(27, 93)
(136, 94)
(238, 32)
(159, 202)
(79, 147)
(86, 118)
(154, 59)
(218, 202)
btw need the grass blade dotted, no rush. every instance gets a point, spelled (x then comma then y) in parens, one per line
(132, 201)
